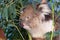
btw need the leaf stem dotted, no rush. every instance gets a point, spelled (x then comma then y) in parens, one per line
(53, 20)
(18, 31)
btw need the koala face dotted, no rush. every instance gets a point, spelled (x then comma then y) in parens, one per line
(43, 11)
(27, 15)
(37, 24)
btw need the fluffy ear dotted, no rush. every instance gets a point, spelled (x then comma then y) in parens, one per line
(37, 6)
(22, 10)
(42, 3)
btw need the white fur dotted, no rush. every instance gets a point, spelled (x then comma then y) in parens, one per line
(41, 29)
(45, 8)
(26, 27)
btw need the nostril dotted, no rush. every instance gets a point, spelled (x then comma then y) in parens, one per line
(21, 24)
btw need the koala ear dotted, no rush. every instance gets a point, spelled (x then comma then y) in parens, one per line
(38, 7)
(22, 10)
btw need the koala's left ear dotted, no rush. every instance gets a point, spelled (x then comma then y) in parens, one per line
(22, 10)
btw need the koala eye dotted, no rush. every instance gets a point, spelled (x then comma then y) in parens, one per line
(48, 17)
(28, 17)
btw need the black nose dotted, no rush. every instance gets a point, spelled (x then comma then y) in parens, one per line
(48, 17)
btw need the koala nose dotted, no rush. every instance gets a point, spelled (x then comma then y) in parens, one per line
(21, 24)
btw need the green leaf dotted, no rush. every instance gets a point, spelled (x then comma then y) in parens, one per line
(56, 33)
(1, 1)
(10, 25)
(29, 35)
(7, 1)
(12, 11)
(0, 15)
(5, 13)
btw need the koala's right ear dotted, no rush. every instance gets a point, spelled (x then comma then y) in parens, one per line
(37, 6)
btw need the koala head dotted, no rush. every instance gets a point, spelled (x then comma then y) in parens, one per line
(27, 13)
(43, 13)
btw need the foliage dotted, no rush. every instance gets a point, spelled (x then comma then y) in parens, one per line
(9, 17)
(9, 20)
(48, 35)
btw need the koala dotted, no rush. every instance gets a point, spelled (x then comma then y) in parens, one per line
(38, 23)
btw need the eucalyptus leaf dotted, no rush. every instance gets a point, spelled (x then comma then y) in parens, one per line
(1, 1)
(0, 15)
(7, 1)
(5, 13)
(10, 25)
(12, 11)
